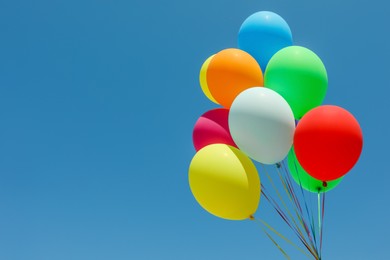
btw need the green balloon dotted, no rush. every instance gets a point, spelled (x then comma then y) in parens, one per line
(299, 76)
(307, 182)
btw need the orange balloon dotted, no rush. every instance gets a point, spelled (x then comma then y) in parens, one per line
(230, 72)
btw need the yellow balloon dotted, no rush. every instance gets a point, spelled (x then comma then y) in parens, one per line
(225, 182)
(203, 80)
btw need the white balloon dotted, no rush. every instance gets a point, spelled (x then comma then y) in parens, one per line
(262, 124)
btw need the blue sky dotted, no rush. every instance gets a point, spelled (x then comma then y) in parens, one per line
(97, 104)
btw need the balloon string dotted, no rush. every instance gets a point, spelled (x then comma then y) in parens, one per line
(288, 179)
(313, 229)
(288, 192)
(277, 192)
(298, 206)
(310, 217)
(310, 231)
(296, 202)
(280, 235)
(276, 244)
(278, 209)
(319, 217)
(286, 189)
(276, 206)
(284, 217)
(322, 216)
(290, 186)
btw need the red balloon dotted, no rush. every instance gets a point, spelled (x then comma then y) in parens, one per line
(212, 128)
(328, 142)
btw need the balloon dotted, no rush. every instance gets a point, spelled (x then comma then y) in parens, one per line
(263, 34)
(203, 79)
(225, 182)
(328, 142)
(301, 177)
(212, 128)
(262, 125)
(299, 75)
(230, 72)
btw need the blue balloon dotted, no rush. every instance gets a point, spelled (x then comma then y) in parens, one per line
(263, 34)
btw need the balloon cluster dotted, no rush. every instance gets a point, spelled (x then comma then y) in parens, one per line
(271, 94)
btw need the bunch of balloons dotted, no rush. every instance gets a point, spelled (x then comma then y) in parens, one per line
(271, 93)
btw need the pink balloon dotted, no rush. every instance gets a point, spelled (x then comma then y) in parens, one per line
(212, 128)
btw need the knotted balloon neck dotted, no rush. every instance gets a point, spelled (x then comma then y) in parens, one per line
(251, 217)
(324, 184)
(278, 165)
